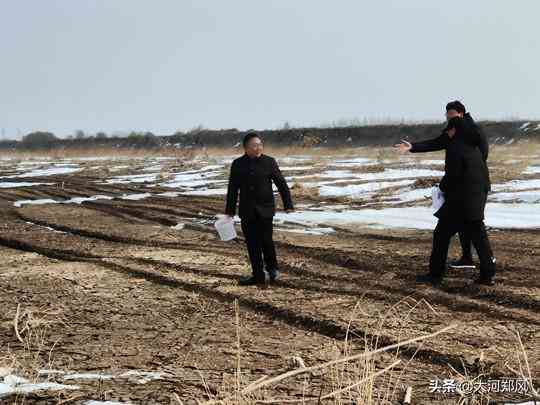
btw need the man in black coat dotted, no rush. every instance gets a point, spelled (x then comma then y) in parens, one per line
(475, 137)
(465, 186)
(252, 175)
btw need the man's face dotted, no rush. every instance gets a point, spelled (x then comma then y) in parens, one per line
(452, 114)
(254, 147)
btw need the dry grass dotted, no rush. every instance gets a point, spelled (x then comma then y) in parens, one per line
(31, 327)
(352, 373)
(188, 154)
(523, 370)
(300, 191)
(508, 162)
(357, 370)
(62, 153)
(498, 153)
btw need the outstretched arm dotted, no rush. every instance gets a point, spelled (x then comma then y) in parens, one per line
(431, 145)
(282, 186)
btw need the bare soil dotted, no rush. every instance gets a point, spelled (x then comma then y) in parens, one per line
(115, 288)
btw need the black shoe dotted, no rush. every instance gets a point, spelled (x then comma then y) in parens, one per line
(485, 281)
(463, 263)
(274, 275)
(247, 281)
(429, 279)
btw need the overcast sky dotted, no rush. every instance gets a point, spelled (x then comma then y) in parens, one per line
(166, 65)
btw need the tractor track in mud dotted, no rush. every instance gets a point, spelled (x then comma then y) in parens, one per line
(313, 324)
(324, 279)
(289, 316)
(457, 298)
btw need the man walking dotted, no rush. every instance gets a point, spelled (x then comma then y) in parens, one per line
(252, 175)
(465, 186)
(476, 137)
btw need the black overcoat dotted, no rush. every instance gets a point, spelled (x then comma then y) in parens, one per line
(466, 180)
(252, 178)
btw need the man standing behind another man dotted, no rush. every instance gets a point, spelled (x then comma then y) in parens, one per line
(465, 186)
(252, 175)
(475, 137)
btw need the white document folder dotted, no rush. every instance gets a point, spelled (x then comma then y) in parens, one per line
(437, 198)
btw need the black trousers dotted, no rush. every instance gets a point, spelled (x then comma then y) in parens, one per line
(476, 231)
(258, 232)
(466, 248)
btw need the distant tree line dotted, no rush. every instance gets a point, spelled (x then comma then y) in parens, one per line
(39, 140)
(198, 137)
(48, 140)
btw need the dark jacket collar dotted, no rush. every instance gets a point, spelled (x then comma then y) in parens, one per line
(467, 117)
(255, 159)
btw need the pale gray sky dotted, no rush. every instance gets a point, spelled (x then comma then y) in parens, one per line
(166, 65)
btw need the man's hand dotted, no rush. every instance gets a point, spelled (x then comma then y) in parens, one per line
(403, 147)
(451, 132)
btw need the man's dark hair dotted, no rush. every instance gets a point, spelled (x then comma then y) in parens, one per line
(456, 105)
(249, 136)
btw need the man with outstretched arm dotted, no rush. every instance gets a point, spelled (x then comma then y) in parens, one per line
(252, 175)
(476, 137)
(465, 186)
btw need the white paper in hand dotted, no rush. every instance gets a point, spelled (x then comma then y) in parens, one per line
(437, 198)
(225, 228)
